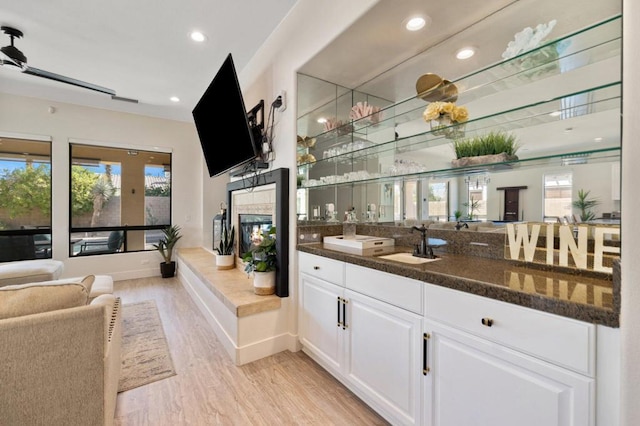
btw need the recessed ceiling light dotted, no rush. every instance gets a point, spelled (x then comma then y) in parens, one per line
(466, 52)
(174, 99)
(198, 36)
(598, 139)
(322, 120)
(555, 113)
(416, 23)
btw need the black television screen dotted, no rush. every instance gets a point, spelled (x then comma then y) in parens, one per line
(227, 137)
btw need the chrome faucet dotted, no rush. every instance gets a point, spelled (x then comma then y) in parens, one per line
(461, 225)
(422, 249)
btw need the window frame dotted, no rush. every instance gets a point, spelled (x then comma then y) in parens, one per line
(131, 150)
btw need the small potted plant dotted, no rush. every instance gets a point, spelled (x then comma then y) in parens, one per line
(585, 204)
(165, 247)
(224, 252)
(493, 147)
(261, 260)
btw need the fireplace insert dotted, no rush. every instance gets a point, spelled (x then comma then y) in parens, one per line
(252, 226)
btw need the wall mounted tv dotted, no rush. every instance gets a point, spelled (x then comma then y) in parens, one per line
(230, 136)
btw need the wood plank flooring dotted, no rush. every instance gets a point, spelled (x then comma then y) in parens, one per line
(284, 389)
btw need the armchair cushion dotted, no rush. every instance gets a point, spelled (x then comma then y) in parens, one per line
(33, 298)
(28, 271)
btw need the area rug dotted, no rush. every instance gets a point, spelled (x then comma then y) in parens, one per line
(145, 352)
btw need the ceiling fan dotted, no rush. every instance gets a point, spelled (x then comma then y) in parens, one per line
(13, 57)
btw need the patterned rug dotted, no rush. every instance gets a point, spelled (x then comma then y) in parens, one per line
(145, 353)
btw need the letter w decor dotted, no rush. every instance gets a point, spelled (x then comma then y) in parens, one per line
(580, 246)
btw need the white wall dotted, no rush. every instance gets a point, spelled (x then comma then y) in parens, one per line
(594, 177)
(295, 42)
(273, 68)
(630, 317)
(30, 116)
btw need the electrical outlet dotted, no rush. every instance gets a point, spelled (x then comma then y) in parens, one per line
(283, 97)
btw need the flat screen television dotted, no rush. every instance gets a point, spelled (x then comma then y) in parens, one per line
(230, 137)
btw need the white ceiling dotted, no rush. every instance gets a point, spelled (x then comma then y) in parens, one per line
(139, 48)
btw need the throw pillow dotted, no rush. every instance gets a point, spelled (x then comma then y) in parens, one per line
(87, 282)
(34, 298)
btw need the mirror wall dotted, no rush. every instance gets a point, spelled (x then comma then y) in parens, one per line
(564, 113)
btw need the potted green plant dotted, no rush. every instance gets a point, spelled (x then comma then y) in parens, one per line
(585, 204)
(261, 260)
(493, 147)
(165, 247)
(224, 252)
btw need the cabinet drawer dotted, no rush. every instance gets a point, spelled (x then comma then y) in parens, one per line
(322, 267)
(562, 341)
(399, 291)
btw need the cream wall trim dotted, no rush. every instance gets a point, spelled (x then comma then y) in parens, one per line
(121, 145)
(630, 231)
(25, 136)
(608, 376)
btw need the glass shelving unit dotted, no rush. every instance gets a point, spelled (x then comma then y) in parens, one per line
(570, 80)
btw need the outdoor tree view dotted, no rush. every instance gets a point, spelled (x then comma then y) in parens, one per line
(95, 198)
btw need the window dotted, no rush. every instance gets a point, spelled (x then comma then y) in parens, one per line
(25, 199)
(439, 201)
(557, 196)
(477, 202)
(120, 199)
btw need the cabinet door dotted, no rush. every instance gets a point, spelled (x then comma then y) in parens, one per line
(472, 381)
(384, 357)
(320, 334)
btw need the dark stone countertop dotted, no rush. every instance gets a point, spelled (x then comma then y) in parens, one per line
(593, 298)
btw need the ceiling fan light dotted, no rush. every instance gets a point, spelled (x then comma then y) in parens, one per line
(198, 36)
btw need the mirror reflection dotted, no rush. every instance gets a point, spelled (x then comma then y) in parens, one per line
(549, 80)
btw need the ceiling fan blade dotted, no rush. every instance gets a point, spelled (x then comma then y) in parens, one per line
(68, 80)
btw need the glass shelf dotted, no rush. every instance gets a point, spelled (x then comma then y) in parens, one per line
(352, 148)
(540, 96)
(588, 48)
(561, 160)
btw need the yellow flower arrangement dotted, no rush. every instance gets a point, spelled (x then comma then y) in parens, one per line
(436, 110)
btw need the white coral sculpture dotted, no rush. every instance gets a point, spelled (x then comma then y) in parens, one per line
(528, 39)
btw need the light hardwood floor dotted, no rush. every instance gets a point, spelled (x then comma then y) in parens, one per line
(284, 389)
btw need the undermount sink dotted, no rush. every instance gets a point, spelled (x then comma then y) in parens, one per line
(407, 258)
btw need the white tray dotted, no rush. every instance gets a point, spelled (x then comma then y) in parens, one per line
(359, 241)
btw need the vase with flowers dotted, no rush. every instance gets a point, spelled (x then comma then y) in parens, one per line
(261, 260)
(446, 119)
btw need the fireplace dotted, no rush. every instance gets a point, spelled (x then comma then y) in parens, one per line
(267, 195)
(251, 227)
